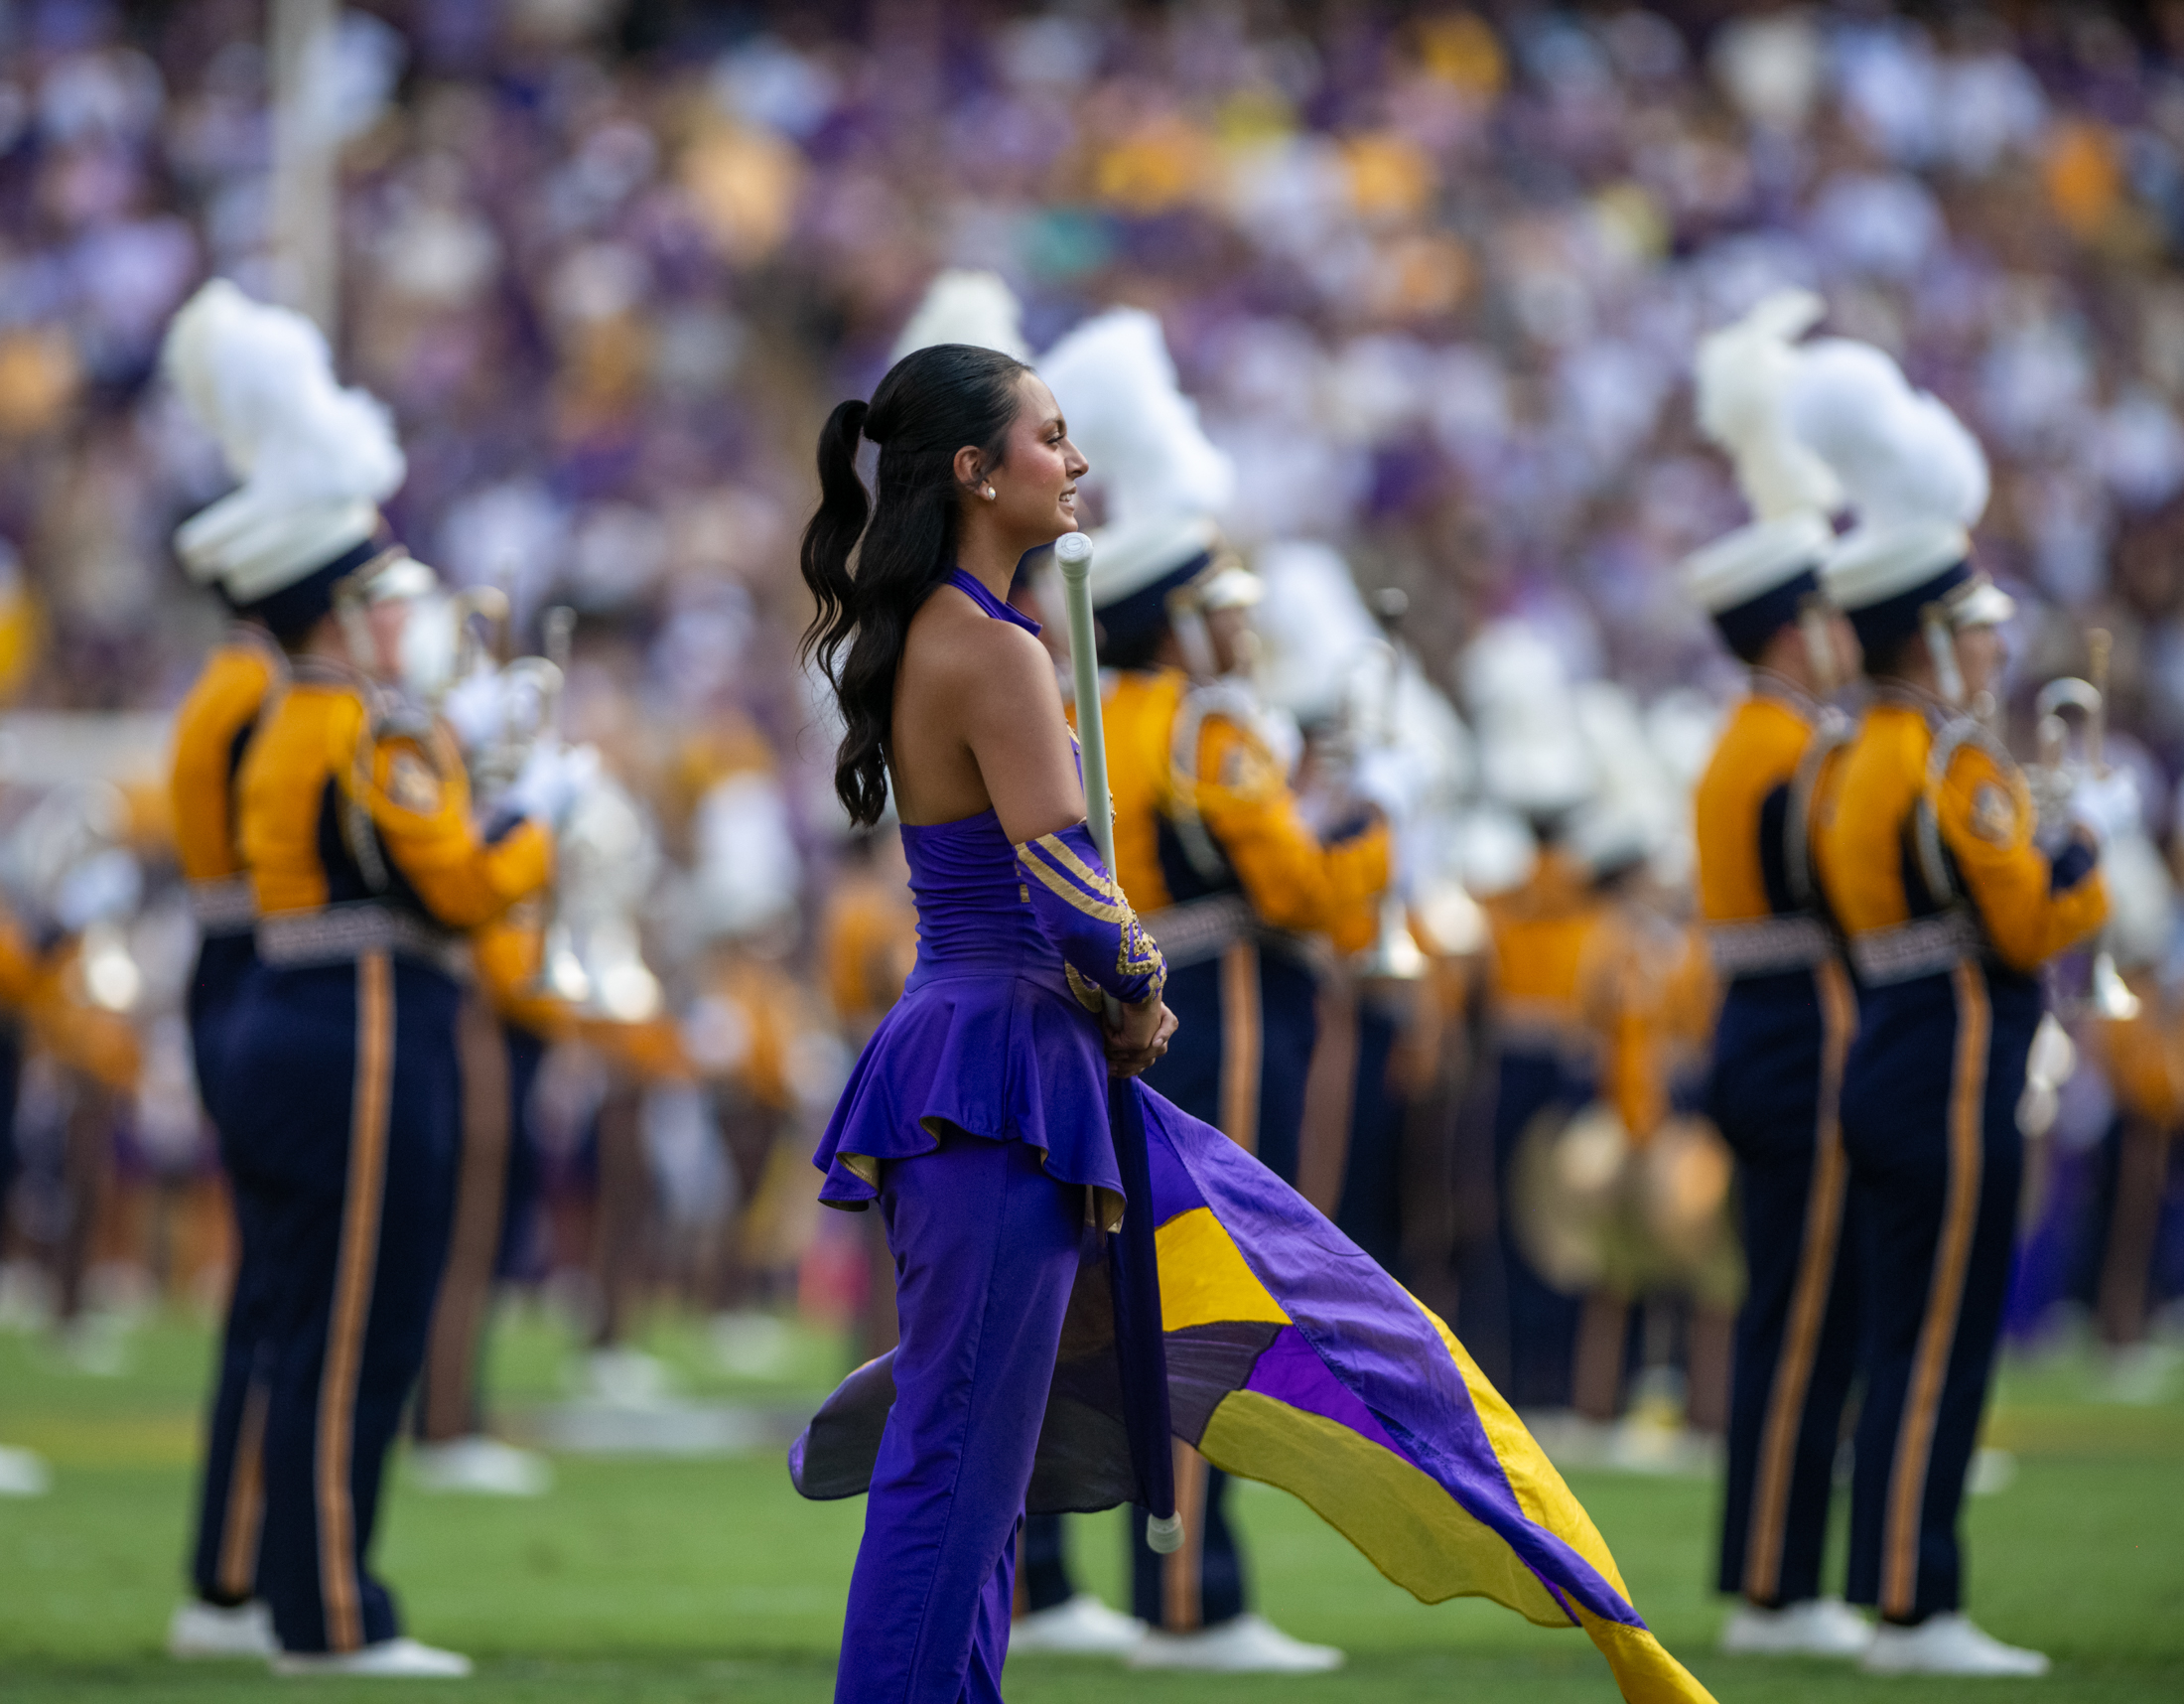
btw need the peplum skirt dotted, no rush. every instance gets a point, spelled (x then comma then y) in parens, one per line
(1002, 1052)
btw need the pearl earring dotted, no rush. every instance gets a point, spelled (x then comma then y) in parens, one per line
(989, 493)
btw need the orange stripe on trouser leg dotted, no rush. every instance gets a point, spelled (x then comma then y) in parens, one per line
(355, 1269)
(1182, 1606)
(1944, 1298)
(244, 1518)
(1809, 1300)
(1243, 1039)
(465, 1287)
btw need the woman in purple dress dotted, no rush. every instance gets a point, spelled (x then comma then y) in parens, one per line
(976, 1117)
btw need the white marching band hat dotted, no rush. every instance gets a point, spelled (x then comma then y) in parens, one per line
(315, 461)
(960, 306)
(1917, 483)
(1758, 578)
(1163, 479)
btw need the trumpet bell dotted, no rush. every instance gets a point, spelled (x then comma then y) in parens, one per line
(1395, 955)
(2112, 995)
(561, 973)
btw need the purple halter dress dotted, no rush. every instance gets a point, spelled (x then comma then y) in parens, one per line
(986, 1039)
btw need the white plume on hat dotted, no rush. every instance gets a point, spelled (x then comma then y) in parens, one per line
(1128, 413)
(1916, 478)
(314, 460)
(747, 873)
(1743, 377)
(965, 307)
(1160, 477)
(1901, 456)
(1534, 756)
(1312, 629)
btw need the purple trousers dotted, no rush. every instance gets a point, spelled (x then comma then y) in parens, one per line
(986, 1251)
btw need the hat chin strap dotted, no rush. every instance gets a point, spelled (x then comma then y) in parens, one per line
(1941, 645)
(349, 611)
(1820, 650)
(1189, 628)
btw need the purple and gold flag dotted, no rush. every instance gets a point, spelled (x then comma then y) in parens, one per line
(1295, 1359)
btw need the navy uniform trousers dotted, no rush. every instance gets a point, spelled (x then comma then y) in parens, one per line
(340, 1105)
(1780, 1050)
(230, 1496)
(497, 1182)
(1248, 1021)
(1542, 1321)
(1930, 1124)
(1369, 1210)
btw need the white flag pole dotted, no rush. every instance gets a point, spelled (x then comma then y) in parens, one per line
(1073, 556)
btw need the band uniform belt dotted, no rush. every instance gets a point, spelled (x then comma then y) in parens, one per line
(226, 907)
(334, 934)
(1925, 946)
(1764, 946)
(1553, 1028)
(1198, 930)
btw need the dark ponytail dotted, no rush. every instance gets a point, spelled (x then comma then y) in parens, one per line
(931, 404)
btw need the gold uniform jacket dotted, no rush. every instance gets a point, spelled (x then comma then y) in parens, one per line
(213, 729)
(1202, 807)
(1923, 870)
(1926, 852)
(342, 809)
(1790, 1007)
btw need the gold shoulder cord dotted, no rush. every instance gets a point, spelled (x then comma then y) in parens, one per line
(1190, 827)
(1831, 733)
(1953, 737)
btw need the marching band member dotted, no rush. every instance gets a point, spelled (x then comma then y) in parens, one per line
(1790, 1009)
(1212, 852)
(1928, 858)
(511, 1014)
(338, 1089)
(1555, 970)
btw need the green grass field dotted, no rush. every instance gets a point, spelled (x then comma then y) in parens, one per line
(648, 1581)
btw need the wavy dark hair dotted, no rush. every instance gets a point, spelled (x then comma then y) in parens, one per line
(931, 405)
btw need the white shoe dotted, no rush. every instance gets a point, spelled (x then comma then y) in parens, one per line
(23, 1472)
(480, 1467)
(1947, 1643)
(626, 1378)
(1819, 1626)
(394, 1658)
(1249, 1644)
(1083, 1627)
(201, 1629)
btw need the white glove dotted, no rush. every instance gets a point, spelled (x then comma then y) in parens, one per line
(1389, 778)
(553, 780)
(2106, 806)
(477, 708)
(104, 888)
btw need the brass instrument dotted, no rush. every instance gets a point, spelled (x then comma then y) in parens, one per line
(73, 828)
(1591, 1209)
(561, 971)
(2053, 776)
(2112, 995)
(1395, 955)
(471, 607)
(591, 958)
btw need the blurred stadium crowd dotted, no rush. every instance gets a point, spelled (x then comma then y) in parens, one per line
(1433, 276)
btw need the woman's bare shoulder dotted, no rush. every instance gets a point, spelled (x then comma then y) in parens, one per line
(954, 643)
